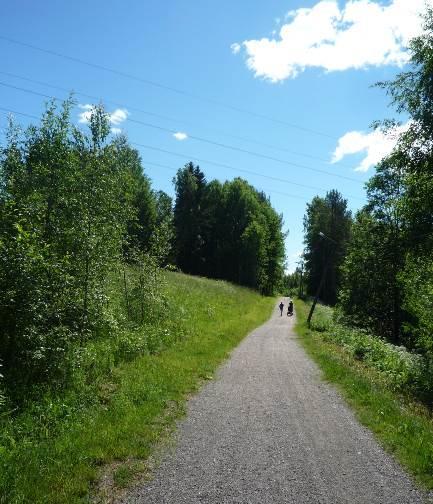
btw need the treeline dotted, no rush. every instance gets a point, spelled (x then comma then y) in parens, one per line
(77, 213)
(380, 271)
(227, 231)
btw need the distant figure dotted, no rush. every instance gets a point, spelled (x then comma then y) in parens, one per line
(281, 308)
(290, 309)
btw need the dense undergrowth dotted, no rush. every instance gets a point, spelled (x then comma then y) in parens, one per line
(124, 389)
(403, 371)
(383, 383)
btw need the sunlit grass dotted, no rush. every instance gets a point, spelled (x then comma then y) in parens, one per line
(53, 455)
(402, 426)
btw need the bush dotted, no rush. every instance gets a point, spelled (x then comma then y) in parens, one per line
(322, 318)
(404, 371)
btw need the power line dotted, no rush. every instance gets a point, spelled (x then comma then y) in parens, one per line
(229, 167)
(204, 140)
(10, 111)
(272, 191)
(92, 97)
(200, 160)
(165, 87)
(245, 151)
(166, 118)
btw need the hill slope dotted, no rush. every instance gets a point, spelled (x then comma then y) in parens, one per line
(125, 394)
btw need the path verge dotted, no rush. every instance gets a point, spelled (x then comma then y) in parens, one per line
(403, 426)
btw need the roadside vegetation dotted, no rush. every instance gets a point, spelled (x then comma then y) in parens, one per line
(124, 393)
(100, 341)
(383, 383)
(376, 267)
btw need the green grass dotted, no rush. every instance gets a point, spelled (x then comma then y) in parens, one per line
(55, 450)
(403, 426)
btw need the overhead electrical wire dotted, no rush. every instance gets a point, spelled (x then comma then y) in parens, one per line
(166, 118)
(164, 86)
(229, 167)
(264, 189)
(202, 139)
(200, 160)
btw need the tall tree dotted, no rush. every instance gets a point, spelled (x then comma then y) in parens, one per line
(65, 201)
(189, 184)
(143, 219)
(330, 216)
(388, 276)
(227, 231)
(162, 240)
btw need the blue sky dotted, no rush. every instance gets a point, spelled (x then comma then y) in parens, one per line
(288, 80)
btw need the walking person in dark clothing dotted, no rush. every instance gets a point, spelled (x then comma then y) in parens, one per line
(281, 306)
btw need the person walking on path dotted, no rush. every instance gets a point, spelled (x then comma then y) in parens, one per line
(281, 308)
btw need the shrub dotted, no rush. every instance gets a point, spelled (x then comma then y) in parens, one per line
(403, 370)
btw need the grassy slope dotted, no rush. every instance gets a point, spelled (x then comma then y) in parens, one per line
(139, 400)
(403, 427)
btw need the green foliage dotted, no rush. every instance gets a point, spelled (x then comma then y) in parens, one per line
(142, 286)
(330, 216)
(402, 370)
(72, 205)
(2, 394)
(323, 318)
(227, 231)
(161, 241)
(387, 275)
(372, 375)
(125, 390)
(369, 293)
(417, 282)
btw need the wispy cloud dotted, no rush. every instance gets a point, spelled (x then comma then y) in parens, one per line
(375, 145)
(360, 34)
(116, 117)
(116, 131)
(235, 48)
(180, 135)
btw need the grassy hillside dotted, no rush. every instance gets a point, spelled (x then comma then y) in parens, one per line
(125, 392)
(377, 380)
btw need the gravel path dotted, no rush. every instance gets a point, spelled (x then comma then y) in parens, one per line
(267, 430)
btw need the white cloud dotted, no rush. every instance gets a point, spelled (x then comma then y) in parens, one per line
(84, 117)
(235, 48)
(362, 33)
(180, 136)
(116, 131)
(116, 117)
(374, 145)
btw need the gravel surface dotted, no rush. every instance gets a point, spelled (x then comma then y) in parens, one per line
(268, 430)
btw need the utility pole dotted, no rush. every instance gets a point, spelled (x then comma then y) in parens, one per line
(301, 286)
(322, 280)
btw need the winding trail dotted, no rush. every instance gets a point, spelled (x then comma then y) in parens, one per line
(268, 430)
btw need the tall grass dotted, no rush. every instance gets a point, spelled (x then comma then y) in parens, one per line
(125, 391)
(379, 381)
(402, 370)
